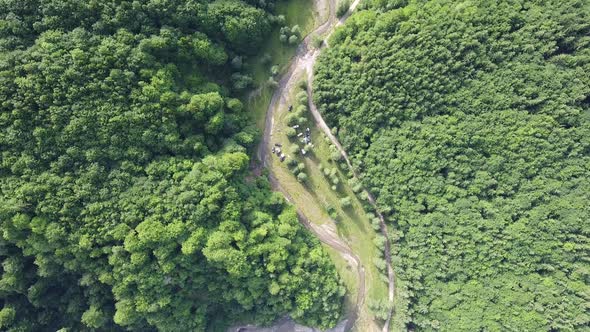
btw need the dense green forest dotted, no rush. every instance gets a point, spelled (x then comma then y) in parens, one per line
(470, 121)
(125, 196)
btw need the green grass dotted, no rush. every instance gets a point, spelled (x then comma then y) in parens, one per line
(348, 276)
(300, 12)
(315, 194)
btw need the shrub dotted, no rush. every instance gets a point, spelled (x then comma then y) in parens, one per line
(335, 180)
(236, 62)
(333, 171)
(376, 225)
(293, 40)
(291, 119)
(343, 6)
(302, 98)
(274, 70)
(303, 85)
(345, 202)
(280, 19)
(265, 59)
(290, 132)
(380, 263)
(317, 41)
(380, 308)
(379, 242)
(330, 208)
(272, 83)
(335, 155)
(301, 177)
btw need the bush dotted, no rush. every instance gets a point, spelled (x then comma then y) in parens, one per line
(272, 83)
(317, 41)
(335, 216)
(335, 155)
(357, 188)
(302, 98)
(291, 162)
(333, 171)
(303, 85)
(283, 38)
(265, 59)
(240, 81)
(280, 19)
(330, 208)
(343, 6)
(332, 212)
(274, 70)
(236, 62)
(294, 149)
(380, 263)
(363, 196)
(298, 113)
(335, 180)
(295, 30)
(293, 40)
(291, 119)
(376, 225)
(345, 202)
(290, 132)
(301, 177)
(380, 308)
(379, 242)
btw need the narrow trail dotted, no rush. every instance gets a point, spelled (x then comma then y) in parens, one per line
(324, 127)
(302, 62)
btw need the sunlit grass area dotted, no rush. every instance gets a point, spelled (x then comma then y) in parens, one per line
(296, 12)
(316, 197)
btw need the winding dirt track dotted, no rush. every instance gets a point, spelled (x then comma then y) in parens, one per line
(304, 60)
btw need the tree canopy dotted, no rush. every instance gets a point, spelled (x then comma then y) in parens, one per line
(470, 122)
(126, 201)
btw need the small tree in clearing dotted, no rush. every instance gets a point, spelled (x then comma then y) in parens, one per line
(301, 177)
(345, 202)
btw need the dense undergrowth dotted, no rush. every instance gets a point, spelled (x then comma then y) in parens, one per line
(126, 200)
(470, 121)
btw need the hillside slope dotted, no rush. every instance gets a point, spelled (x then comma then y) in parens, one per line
(126, 202)
(470, 122)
